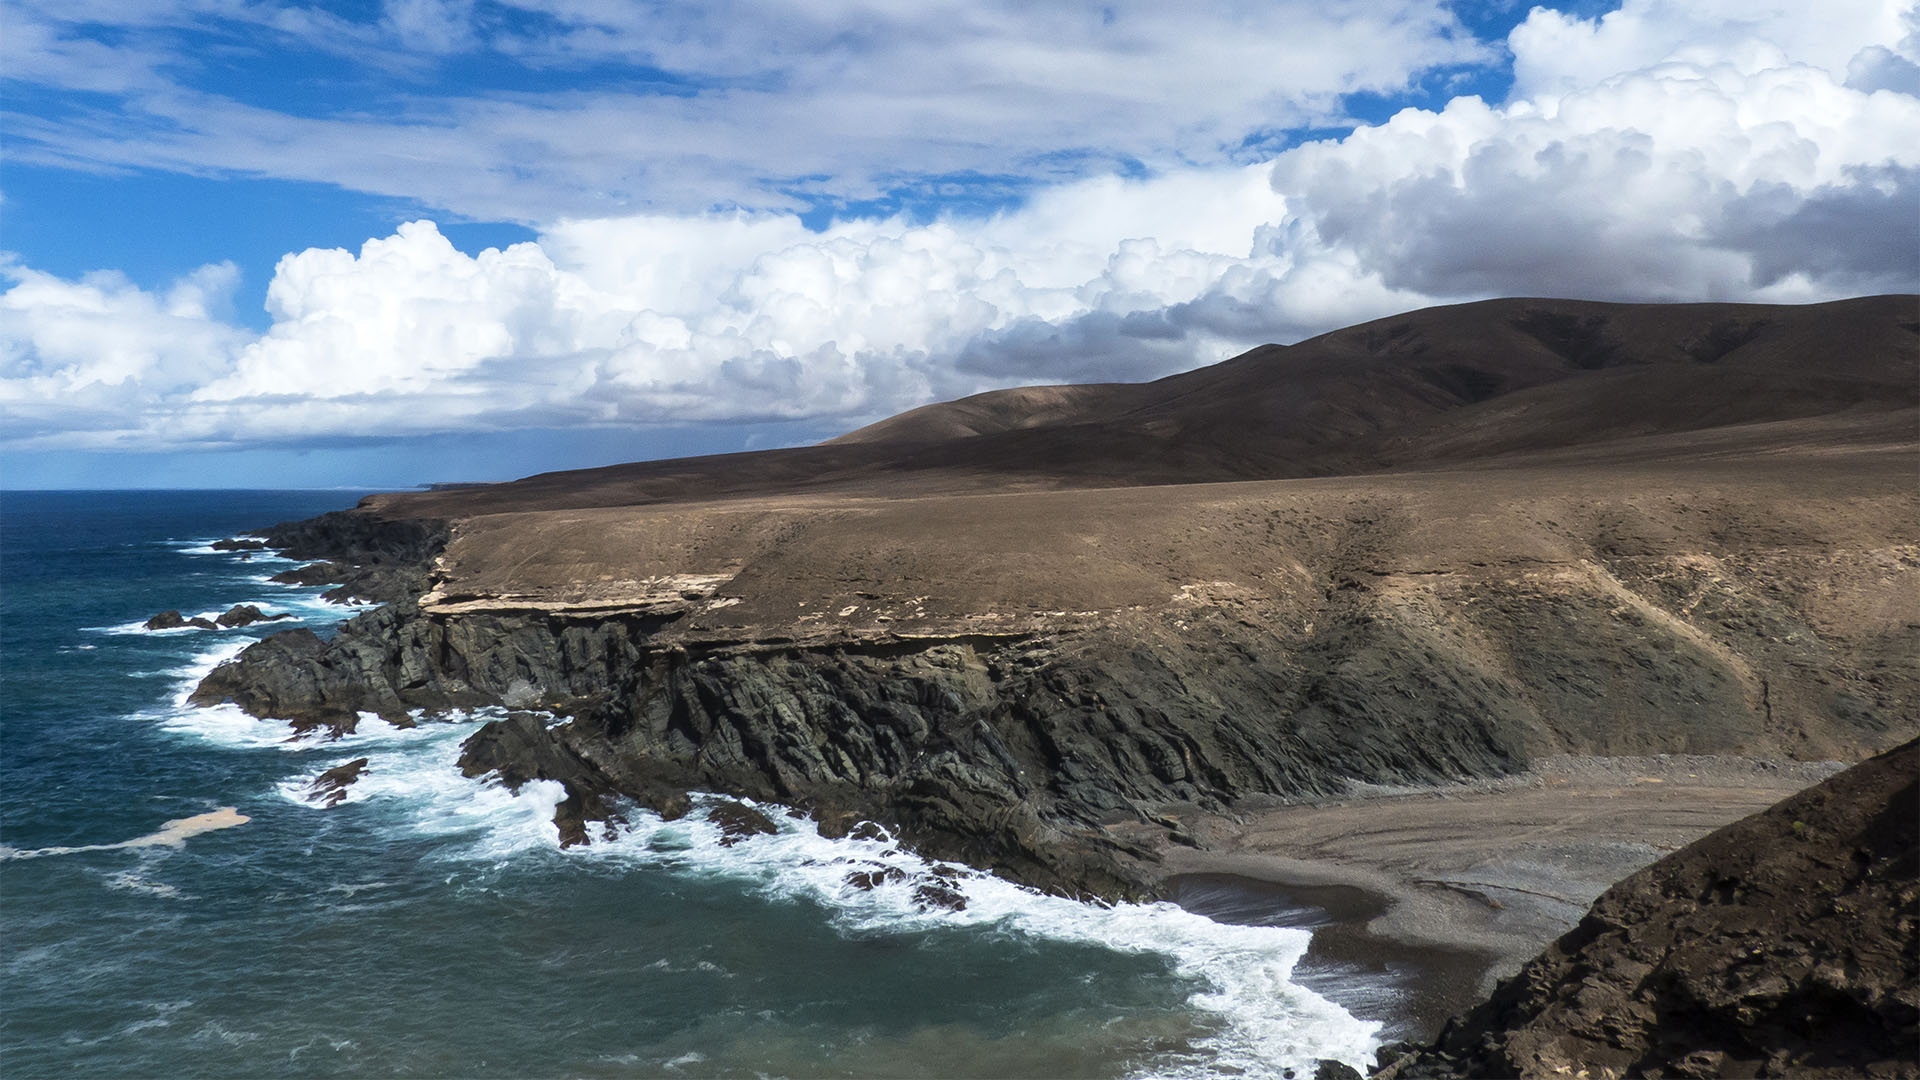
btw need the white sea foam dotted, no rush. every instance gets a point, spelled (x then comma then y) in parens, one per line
(138, 626)
(1267, 1022)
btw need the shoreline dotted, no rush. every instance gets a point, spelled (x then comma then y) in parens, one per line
(1412, 988)
(1420, 901)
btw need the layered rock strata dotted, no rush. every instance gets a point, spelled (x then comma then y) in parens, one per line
(1012, 742)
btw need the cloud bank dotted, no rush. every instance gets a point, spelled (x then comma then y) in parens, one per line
(1664, 151)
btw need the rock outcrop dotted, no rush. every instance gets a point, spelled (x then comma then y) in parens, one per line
(364, 556)
(329, 789)
(246, 615)
(1785, 944)
(232, 619)
(173, 620)
(1013, 750)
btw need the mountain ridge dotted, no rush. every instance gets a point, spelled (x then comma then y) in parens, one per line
(1440, 386)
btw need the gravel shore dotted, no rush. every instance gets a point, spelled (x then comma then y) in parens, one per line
(1435, 894)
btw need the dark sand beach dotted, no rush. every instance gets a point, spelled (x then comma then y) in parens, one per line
(1421, 900)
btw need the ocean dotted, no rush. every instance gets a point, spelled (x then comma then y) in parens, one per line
(430, 925)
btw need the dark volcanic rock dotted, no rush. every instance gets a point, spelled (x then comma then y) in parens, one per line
(284, 678)
(939, 896)
(518, 750)
(166, 620)
(1008, 755)
(246, 615)
(738, 821)
(868, 880)
(173, 620)
(369, 557)
(239, 544)
(313, 574)
(235, 616)
(330, 787)
(1784, 944)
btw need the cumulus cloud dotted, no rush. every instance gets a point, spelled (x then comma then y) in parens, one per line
(1658, 184)
(1558, 53)
(1760, 157)
(81, 359)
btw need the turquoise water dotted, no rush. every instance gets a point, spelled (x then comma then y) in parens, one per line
(431, 926)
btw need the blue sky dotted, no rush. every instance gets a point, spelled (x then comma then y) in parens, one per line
(252, 243)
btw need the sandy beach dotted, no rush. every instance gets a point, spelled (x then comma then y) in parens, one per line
(1436, 894)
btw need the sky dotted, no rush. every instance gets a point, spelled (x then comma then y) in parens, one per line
(246, 243)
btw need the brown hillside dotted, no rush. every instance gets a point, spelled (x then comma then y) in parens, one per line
(1438, 387)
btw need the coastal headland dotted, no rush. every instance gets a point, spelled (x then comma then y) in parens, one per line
(1476, 610)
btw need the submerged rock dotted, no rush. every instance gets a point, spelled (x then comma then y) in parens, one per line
(868, 880)
(738, 821)
(939, 896)
(330, 787)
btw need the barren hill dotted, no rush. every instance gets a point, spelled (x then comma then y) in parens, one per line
(1443, 386)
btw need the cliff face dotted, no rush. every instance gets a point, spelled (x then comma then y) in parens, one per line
(1004, 751)
(1782, 945)
(1001, 625)
(1194, 645)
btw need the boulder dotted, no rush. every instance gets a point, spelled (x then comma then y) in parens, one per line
(868, 880)
(246, 615)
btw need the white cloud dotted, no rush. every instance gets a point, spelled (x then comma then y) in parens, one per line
(1642, 187)
(80, 360)
(1769, 160)
(686, 107)
(1556, 53)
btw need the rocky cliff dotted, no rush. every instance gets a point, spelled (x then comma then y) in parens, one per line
(1269, 640)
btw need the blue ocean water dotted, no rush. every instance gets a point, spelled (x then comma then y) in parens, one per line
(431, 925)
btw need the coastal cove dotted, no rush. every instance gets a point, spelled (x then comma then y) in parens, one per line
(397, 933)
(1130, 730)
